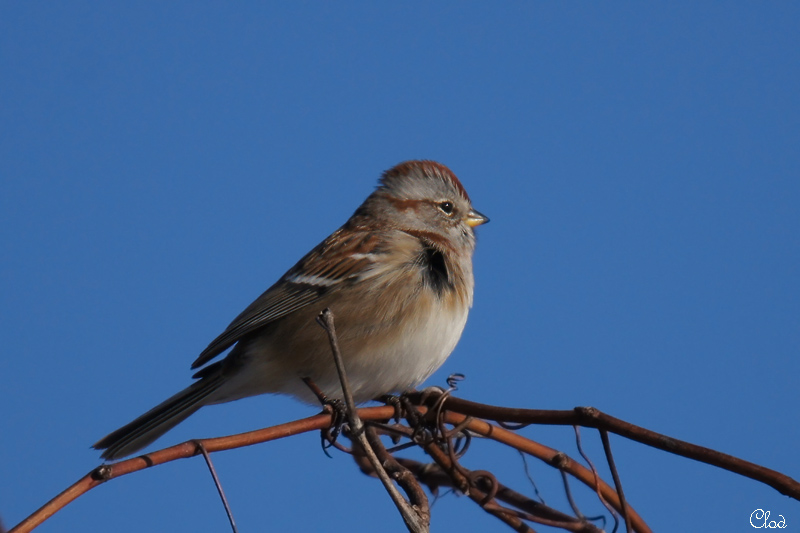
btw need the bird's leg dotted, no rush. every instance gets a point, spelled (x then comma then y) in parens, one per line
(393, 401)
(337, 410)
(404, 407)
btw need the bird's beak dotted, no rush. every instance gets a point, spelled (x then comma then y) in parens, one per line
(475, 218)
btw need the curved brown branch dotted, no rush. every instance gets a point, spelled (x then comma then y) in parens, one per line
(591, 417)
(107, 472)
(458, 414)
(551, 457)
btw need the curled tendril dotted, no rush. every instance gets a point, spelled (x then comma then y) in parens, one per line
(461, 444)
(454, 379)
(476, 475)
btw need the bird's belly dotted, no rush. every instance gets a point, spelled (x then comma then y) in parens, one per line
(408, 359)
(393, 360)
(383, 353)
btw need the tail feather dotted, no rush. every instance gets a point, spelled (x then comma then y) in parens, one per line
(135, 435)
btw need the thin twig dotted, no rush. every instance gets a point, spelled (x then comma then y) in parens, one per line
(615, 476)
(596, 479)
(530, 477)
(412, 518)
(568, 492)
(218, 484)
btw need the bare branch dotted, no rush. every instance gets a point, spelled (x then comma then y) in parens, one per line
(221, 492)
(591, 417)
(107, 472)
(427, 420)
(416, 518)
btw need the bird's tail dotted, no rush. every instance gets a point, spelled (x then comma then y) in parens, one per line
(135, 435)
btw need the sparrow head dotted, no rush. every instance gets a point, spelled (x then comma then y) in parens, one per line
(426, 199)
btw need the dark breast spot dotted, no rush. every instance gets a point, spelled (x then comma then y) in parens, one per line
(434, 272)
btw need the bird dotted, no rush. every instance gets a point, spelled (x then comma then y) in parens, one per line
(398, 278)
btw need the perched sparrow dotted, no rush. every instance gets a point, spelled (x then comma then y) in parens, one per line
(398, 278)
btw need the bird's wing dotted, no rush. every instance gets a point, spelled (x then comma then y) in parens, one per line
(326, 268)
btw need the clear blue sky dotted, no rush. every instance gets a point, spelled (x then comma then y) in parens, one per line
(163, 164)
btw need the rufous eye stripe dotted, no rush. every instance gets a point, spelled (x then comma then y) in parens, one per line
(433, 238)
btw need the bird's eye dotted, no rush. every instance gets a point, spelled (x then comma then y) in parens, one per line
(446, 207)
